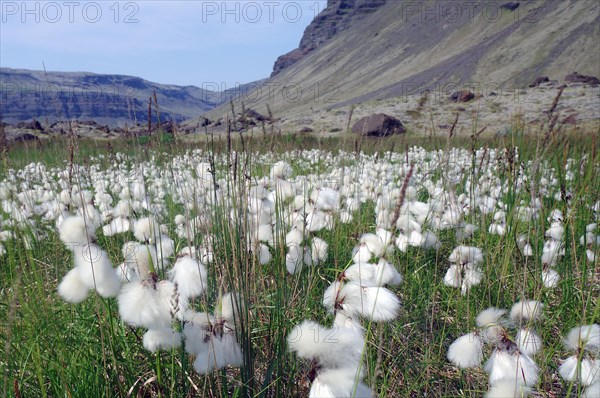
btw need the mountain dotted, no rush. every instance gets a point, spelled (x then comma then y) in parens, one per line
(362, 50)
(113, 100)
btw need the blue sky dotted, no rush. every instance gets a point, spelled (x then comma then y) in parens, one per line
(175, 42)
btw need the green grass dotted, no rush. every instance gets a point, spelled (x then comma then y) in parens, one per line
(52, 349)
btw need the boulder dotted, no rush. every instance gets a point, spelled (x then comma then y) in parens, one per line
(32, 125)
(251, 113)
(25, 137)
(462, 96)
(305, 129)
(577, 78)
(511, 5)
(539, 80)
(378, 125)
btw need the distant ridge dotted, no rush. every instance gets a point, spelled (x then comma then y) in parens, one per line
(113, 100)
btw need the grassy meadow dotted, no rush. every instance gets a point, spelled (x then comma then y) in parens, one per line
(52, 348)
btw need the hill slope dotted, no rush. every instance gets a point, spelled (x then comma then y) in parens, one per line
(402, 47)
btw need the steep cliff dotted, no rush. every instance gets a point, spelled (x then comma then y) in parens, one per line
(338, 16)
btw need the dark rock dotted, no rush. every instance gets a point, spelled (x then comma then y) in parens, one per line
(168, 127)
(378, 125)
(32, 125)
(511, 5)
(462, 96)
(577, 78)
(25, 137)
(571, 119)
(539, 80)
(251, 113)
(306, 129)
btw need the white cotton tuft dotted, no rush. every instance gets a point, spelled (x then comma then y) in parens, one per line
(568, 369)
(140, 257)
(318, 250)
(431, 241)
(374, 244)
(96, 270)
(155, 339)
(146, 230)
(528, 341)
(586, 337)
(264, 255)
(218, 352)
(281, 170)
(466, 351)
(75, 231)
(118, 225)
(179, 219)
(466, 254)
(508, 388)
(294, 259)
(306, 339)
(365, 274)
(528, 310)
(587, 372)
(361, 254)
(556, 231)
(375, 303)
(127, 272)
(72, 289)
(264, 233)
(550, 278)
(490, 316)
(230, 307)
(197, 326)
(331, 347)
(141, 305)
(472, 277)
(326, 199)
(190, 276)
(387, 274)
(339, 383)
(592, 391)
(453, 277)
(504, 365)
(294, 237)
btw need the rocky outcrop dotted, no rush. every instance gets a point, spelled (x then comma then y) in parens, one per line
(539, 80)
(462, 96)
(578, 78)
(338, 16)
(378, 125)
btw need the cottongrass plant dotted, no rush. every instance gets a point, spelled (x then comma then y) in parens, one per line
(348, 224)
(511, 368)
(583, 366)
(465, 269)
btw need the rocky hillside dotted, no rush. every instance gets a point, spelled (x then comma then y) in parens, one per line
(338, 16)
(358, 50)
(112, 100)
